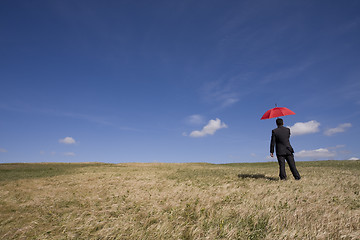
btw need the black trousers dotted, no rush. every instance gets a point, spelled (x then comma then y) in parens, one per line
(291, 162)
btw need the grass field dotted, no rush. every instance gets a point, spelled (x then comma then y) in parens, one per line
(179, 201)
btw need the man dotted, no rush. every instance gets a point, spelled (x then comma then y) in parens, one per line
(280, 138)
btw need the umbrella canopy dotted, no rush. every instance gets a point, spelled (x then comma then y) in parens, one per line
(277, 112)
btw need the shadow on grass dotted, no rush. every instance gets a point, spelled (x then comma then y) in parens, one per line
(257, 176)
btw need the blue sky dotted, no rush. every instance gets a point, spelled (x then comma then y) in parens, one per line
(177, 81)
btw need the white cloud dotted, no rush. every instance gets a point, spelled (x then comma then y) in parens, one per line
(70, 154)
(67, 140)
(338, 129)
(317, 153)
(3, 150)
(209, 129)
(195, 119)
(354, 158)
(301, 128)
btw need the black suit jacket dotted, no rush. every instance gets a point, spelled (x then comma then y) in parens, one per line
(280, 139)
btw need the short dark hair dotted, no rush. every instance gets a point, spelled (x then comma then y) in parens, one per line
(279, 122)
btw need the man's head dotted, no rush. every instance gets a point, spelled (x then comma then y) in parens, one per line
(279, 122)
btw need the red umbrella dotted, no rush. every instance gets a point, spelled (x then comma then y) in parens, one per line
(277, 112)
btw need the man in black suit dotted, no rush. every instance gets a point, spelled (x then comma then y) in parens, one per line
(280, 138)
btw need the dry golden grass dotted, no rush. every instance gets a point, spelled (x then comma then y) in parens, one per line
(179, 201)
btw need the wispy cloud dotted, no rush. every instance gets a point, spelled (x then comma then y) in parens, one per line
(3, 150)
(301, 128)
(89, 118)
(195, 119)
(228, 101)
(42, 152)
(336, 147)
(286, 73)
(67, 140)
(354, 158)
(209, 129)
(350, 89)
(69, 154)
(229, 89)
(340, 128)
(316, 154)
(221, 92)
